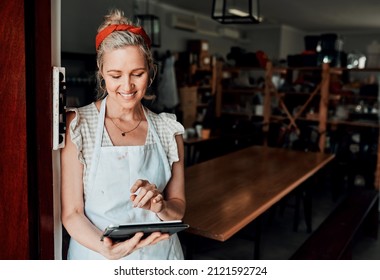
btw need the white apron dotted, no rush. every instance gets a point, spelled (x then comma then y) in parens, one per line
(113, 171)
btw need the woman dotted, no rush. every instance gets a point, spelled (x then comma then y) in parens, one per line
(122, 163)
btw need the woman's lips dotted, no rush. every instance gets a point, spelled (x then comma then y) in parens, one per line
(127, 94)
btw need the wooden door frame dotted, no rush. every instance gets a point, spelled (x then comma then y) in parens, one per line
(43, 112)
(26, 191)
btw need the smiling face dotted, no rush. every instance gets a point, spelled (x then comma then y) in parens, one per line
(126, 75)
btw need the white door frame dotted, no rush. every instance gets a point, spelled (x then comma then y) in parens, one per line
(56, 61)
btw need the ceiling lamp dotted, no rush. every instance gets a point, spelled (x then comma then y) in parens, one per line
(151, 25)
(236, 11)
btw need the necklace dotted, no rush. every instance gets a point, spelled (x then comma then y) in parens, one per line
(123, 133)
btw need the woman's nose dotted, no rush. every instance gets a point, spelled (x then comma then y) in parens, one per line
(127, 85)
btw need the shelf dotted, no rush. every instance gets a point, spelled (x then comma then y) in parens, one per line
(202, 82)
(331, 122)
(323, 99)
(303, 68)
(357, 123)
(371, 69)
(205, 88)
(243, 90)
(318, 68)
(239, 69)
(282, 118)
(295, 93)
(241, 114)
(202, 105)
(338, 97)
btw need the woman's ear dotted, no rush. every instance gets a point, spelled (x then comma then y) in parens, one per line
(103, 84)
(152, 74)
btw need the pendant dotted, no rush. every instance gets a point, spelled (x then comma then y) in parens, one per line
(123, 134)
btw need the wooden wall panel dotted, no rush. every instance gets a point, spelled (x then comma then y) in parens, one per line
(14, 215)
(26, 188)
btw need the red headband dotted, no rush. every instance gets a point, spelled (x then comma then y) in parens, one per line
(121, 27)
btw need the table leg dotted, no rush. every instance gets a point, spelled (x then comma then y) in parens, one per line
(257, 238)
(190, 155)
(308, 206)
(188, 240)
(303, 194)
(298, 195)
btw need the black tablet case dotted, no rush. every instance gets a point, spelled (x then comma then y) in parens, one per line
(123, 232)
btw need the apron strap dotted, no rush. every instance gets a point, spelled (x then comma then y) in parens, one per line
(98, 141)
(100, 127)
(159, 145)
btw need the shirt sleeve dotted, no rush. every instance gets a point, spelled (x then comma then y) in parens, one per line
(168, 128)
(75, 134)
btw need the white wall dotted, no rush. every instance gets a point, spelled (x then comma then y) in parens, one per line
(80, 20)
(359, 41)
(291, 41)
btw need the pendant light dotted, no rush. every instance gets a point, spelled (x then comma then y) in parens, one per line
(236, 11)
(151, 25)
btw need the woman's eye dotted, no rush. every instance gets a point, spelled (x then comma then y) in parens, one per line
(115, 77)
(138, 74)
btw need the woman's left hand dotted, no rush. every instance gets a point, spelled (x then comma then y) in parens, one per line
(148, 197)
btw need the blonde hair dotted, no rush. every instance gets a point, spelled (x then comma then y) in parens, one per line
(117, 40)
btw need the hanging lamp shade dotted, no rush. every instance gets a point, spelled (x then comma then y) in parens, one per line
(151, 25)
(236, 11)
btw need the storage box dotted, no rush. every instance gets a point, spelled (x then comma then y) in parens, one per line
(188, 118)
(188, 96)
(188, 105)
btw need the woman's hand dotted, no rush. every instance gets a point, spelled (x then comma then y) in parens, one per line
(115, 251)
(148, 197)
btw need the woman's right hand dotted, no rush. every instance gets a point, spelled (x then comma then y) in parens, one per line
(117, 250)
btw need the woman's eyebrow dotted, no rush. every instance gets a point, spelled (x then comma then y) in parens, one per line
(136, 69)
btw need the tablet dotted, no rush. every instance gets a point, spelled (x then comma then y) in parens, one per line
(123, 232)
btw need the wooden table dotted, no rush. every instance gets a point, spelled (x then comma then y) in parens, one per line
(227, 193)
